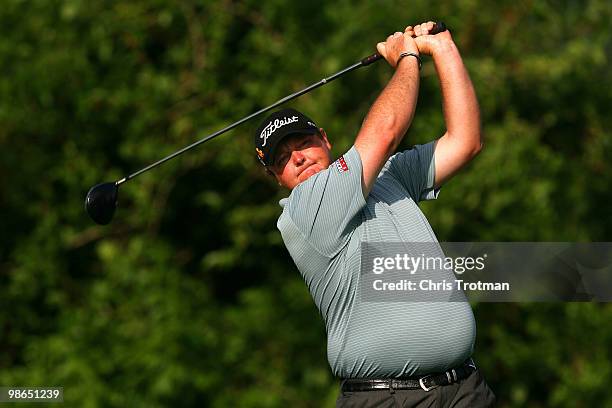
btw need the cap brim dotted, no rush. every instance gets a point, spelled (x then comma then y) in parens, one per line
(279, 139)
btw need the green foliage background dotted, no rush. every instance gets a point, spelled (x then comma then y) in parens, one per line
(189, 297)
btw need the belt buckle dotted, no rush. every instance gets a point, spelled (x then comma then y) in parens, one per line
(471, 364)
(425, 387)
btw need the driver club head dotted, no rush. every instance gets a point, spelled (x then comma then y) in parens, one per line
(101, 202)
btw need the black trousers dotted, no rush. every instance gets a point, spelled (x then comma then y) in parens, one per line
(471, 392)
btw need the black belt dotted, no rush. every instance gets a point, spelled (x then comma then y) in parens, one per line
(427, 382)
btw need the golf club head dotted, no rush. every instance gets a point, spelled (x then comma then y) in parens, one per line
(101, 202)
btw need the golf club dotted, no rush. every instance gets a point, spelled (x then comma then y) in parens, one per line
(101, 200)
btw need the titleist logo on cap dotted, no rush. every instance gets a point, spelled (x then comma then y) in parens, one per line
(273, 126)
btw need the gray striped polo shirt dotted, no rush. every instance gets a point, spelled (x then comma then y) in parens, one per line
(324, 222)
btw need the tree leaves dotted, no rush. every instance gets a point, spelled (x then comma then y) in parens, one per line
(189, 297)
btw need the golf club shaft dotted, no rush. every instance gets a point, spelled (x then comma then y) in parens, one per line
(439, 27)
(241, 121)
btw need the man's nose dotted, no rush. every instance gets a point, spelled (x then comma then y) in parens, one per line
(298, 157)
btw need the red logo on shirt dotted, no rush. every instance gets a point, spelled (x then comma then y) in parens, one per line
(341, 164)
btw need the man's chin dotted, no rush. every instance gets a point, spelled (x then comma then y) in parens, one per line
(309, 172)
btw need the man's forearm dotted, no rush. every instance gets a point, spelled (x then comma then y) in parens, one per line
(392, 112)
(461, 111)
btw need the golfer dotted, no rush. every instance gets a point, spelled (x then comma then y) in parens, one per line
(387, 354)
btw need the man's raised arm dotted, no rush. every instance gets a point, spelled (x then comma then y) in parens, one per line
(462, 140)
(392, 112)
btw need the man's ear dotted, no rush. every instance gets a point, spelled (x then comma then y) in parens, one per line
(324, 137)
(273, 174)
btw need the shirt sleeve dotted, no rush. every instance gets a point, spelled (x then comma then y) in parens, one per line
(415, 170)
(325, 208)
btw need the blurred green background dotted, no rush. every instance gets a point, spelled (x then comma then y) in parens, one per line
(189, 298)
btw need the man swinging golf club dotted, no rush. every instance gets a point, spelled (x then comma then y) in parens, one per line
(387, 353)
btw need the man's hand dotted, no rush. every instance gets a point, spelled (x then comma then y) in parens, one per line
(395, 45)
(426, 43)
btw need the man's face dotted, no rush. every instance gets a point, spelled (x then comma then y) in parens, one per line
(299, 157)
